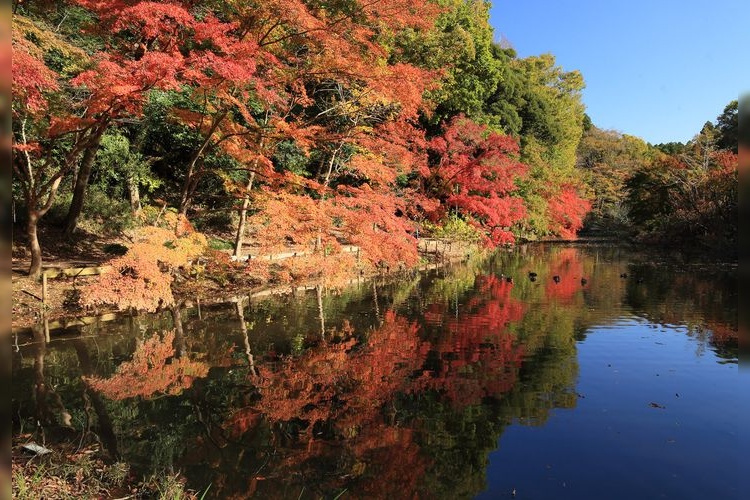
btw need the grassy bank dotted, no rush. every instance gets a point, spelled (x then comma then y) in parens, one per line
(65, 472)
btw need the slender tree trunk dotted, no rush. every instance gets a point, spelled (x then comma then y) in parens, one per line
(135, 197)
(375, 300)
(243, 329)
(41, 391)
(104, 422)
(82, 182)
(188, 187)
(326, 181)
(246, 203)
(35, 270)
(185, 195)
(243, 217)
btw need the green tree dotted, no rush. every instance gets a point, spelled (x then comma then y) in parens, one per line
(609, 159)
(728, 125)
(460, 45)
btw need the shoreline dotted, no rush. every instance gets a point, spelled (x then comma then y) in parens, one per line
(60, 314)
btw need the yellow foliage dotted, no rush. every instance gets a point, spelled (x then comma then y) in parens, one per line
(46, 40)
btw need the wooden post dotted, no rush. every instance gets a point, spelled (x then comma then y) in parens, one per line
(44, 289)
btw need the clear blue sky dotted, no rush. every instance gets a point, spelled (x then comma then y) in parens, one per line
(656, 69)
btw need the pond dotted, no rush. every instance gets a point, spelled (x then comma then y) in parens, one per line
(576, 382)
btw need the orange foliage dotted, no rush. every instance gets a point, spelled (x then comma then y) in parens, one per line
(722, 333)
(141, 279)
(372, 220)
(348, 386)
(153, 370)
(359, 381)
(330, 271)
(348, 383)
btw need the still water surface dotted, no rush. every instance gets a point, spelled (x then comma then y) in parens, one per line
(451, 384)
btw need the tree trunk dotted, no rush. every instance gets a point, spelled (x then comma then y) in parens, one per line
(185, 194)
(35, 270)
(82, 182)
(135, 197)
(243, 217)
(106, 430)
(191, 182)
(243, 329)
(326, 181)
(41, 390)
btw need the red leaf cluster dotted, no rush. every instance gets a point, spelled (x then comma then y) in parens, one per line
(475, 172)
(567, 211)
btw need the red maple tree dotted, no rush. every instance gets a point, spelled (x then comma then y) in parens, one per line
(474, 171)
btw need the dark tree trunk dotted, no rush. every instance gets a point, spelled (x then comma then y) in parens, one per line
(106, 429)
(82, 182)
(192, 177)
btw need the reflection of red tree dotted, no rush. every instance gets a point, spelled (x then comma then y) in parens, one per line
(568, 265)
(721, 333)
(153, 370)
(347, 388)
(339, 381)
(478, 355)
(347, 385)
(395, 462)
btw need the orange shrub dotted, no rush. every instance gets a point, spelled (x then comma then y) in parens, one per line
(141, 279)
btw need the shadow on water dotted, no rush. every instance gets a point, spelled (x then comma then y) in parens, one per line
(382, 390)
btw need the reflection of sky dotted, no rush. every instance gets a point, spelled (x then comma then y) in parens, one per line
(614, 444)
(743, 426)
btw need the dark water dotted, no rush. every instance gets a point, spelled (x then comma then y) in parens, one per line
(454, 384)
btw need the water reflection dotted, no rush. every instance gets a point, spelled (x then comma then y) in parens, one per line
(398, 389)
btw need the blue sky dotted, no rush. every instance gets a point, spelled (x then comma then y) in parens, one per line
(656, 69)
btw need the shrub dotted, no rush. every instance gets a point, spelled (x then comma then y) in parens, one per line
(141, 279)
(457, 229)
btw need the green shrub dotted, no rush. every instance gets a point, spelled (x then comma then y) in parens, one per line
(457, 229)
(217, 220)
(103, 214)
(219, 244)
(115, 249)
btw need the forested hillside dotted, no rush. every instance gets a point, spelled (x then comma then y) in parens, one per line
(676, 194)
(194, 127)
